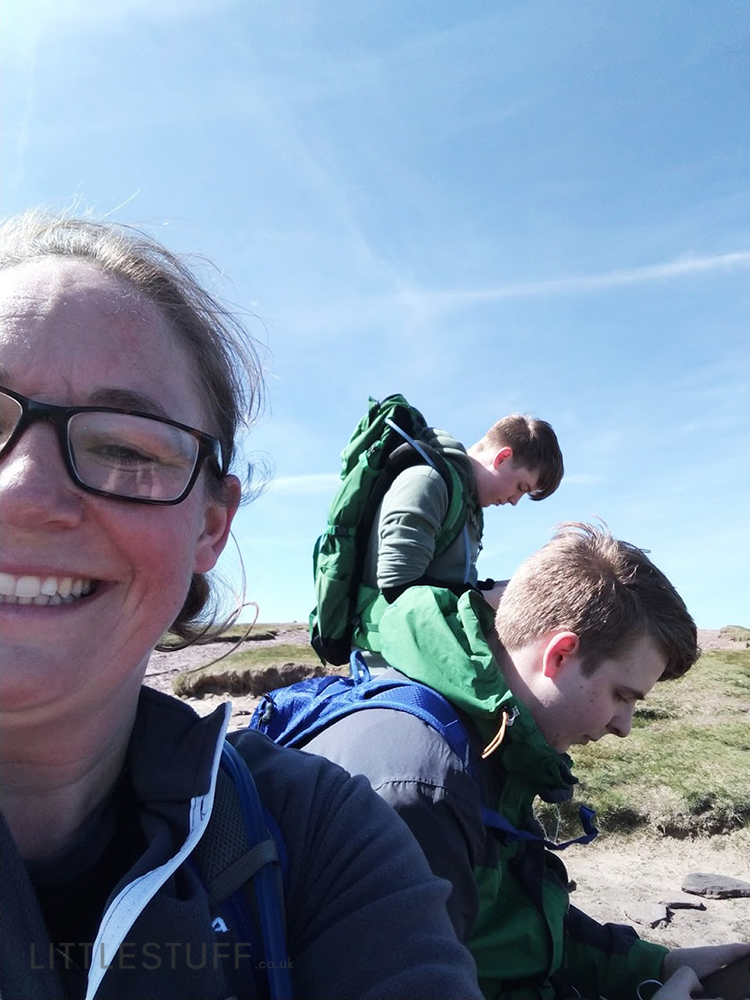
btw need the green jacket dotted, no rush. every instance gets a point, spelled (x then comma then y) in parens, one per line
(528, 942)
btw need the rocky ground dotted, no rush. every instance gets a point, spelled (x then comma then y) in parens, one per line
(164, 667)
(617, 879)
(623, 879)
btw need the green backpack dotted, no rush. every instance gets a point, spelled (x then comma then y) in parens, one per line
(386, 441)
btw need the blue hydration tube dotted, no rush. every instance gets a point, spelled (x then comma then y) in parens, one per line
(272, 922)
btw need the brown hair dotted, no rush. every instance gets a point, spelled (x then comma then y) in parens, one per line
(606, 591)
(228, 373)
(535, 447)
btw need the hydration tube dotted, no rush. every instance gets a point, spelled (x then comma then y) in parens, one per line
(272, 923)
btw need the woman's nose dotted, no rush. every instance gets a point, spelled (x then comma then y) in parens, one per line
(35, 487)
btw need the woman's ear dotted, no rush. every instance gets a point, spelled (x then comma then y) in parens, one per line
(217, 523)
(560, 649)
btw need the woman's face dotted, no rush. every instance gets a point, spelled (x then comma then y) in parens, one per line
(72, 335)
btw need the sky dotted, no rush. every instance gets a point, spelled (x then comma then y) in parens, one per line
(539, 206)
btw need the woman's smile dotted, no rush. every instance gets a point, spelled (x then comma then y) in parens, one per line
(48, 590)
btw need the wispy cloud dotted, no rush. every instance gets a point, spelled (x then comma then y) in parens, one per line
(85, 10)
(679, 268)
(313, 485)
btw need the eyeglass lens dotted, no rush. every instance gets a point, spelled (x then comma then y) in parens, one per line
(10, 413)
(132, 456)
(120, 453)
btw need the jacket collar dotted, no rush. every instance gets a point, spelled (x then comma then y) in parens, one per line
(434, 637)
(166, 734)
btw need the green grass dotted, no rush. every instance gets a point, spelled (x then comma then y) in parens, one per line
(271, 656)
(685, 768)
(260, 630)
(240, 631)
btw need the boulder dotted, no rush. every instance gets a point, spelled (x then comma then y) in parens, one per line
(715, 886)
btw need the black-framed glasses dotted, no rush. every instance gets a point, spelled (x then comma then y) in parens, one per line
(116, 453)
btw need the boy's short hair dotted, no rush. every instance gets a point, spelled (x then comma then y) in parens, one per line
(535, 447)
(606, 591)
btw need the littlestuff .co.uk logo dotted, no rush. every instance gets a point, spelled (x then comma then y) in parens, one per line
(149, 956)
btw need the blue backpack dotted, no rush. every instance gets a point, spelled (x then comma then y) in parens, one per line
(291, 716)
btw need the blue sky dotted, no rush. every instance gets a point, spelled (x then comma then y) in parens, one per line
(540, 205)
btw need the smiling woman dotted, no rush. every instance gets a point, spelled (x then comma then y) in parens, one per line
(122, 387)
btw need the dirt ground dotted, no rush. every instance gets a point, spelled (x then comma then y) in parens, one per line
(623, 879)
(617, 879)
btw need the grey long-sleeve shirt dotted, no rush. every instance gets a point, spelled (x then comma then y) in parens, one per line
(402, 542)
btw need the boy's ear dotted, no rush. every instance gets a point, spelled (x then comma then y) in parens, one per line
(503, 455)
(560, 649)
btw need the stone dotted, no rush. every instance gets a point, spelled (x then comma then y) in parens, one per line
(648, 914)
(715, 886)
(683, 904)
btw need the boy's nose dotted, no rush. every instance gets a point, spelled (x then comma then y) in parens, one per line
(622, 723)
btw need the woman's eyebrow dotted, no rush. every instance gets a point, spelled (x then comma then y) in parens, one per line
(126, 399)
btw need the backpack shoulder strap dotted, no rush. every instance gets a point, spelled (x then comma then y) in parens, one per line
(239, 850)
(456, 517)
(426, 704)
(494, 819)
(292, 716)
(430, 706)
(412, 453)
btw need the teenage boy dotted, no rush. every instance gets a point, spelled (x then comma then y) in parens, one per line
(518, 456)
(584, 630)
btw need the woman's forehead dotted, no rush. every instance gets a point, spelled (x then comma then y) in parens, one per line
(56, 284)
(68, 326)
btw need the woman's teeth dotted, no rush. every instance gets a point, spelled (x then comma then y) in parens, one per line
(49, 590)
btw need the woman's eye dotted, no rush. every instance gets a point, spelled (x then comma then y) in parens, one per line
(123, 455)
